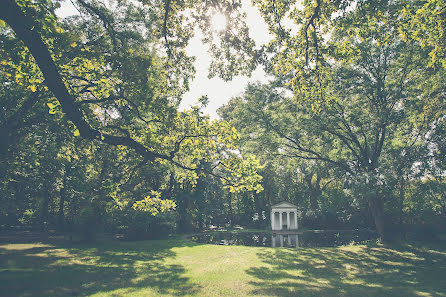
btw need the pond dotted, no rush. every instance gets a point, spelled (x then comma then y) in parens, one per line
(315, 238)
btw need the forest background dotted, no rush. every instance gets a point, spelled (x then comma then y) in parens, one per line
(350, 128)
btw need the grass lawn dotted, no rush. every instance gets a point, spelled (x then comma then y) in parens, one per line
(177, 267)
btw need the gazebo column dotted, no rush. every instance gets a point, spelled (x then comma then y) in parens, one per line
(288, 220)
(295, 220)
(280, 220)
(272, 220)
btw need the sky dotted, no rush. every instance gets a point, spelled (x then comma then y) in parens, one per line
(218, 91)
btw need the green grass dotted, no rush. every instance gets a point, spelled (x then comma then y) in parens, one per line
(177, 267)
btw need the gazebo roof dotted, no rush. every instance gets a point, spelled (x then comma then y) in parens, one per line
(284, 204)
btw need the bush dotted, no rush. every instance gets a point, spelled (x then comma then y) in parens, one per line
(139, 225)
(425, 232)
(88, 223)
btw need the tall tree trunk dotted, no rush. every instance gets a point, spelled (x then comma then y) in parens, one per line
(259, 208)
(14, 213)
(314, 198)
(376, 207)
(231, 214)
(61, 214)
(257, 202)
(314, 191)
(383, 223)
(199, 201)
(4, 141)
(401, 200)
(63, 198)
(44, 209)
(183, 200)
(200, 218)
(250, 203)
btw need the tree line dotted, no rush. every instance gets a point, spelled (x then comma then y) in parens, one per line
(351, 127)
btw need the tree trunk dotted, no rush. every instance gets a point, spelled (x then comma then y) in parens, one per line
(184, 222)
(4, 141)
(231, 214)
(383, 224)
(314, 191)
(314, 196)
(250, 203)
(61, 214)
(401, 201)
(376, 207)
(259, 208)
(44, 212)
(257, 203)
(200, 219)
(62, 199)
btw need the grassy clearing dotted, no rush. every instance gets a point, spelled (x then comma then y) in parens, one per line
(176, 267)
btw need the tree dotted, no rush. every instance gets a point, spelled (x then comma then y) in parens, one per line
(356, 107)
(110, 78)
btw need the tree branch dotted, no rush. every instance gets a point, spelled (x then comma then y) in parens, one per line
(107, 25)
(14, 120)
(298, 147)
(307, 26)
(166, 16)
(26, 30)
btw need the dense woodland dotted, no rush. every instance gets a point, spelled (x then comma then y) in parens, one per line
(351, 128)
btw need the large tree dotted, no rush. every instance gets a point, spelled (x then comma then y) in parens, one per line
(358, 99)
(116, 72)
(94, 98)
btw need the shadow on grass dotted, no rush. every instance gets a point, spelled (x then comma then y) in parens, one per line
(80, 270)
(359, 271)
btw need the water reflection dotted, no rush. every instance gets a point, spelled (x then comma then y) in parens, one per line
(288, 240)
(269, 239)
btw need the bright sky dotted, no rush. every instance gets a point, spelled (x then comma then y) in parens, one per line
(218, 91)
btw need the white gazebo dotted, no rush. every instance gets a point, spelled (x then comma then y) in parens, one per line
(284, 216)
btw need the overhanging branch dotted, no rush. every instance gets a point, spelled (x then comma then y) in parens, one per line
(26, 30)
